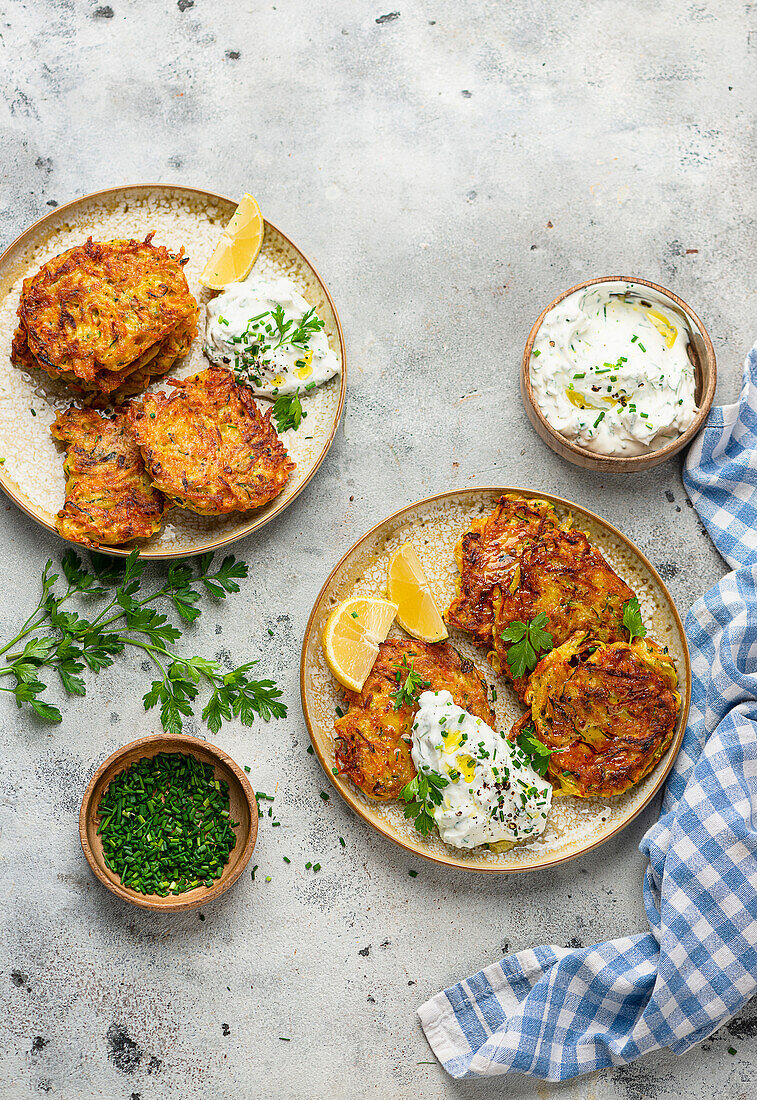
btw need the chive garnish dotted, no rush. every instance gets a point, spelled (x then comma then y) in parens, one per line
(600, 417)
(165, 825)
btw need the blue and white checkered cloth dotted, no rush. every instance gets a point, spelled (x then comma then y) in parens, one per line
(555, 1013)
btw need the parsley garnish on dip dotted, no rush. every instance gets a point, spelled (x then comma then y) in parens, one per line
(609, 369)
(265, 331)
(492, 793)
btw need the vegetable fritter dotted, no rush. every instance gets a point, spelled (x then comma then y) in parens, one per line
(109, 498)
(373, 738)
(563, 576)
(486, 557)
(100, 311)
(207, 445)
(607, 712)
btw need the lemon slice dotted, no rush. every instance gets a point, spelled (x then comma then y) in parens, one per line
(407, 586)
(238, 247)
(352, 635)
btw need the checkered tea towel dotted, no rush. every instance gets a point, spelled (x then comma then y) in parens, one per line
(555, 1013)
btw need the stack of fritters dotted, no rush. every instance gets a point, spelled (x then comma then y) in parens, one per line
(105, 317)
(109, 498)
(521, 561)
(373, 738)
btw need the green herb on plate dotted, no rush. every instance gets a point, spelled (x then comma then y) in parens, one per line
(421, 795)
(528, 640)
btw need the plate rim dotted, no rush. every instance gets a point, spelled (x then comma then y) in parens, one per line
(210, 546)
(449, 861)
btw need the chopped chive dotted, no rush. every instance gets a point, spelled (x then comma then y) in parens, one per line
(536, 353)
(600, 417)
(341, 841)
(413, 874)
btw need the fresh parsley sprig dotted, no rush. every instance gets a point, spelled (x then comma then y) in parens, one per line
(288, 412)
(64, 641)
(407, 693)
(421, 795)
(528, 639)
(534, 750)
(632, 619)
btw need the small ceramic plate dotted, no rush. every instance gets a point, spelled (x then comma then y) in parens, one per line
(32, 469)
(433, 526)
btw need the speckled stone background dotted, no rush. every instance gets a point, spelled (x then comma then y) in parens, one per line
(450, 167)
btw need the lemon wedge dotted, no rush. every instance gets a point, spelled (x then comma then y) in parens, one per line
(238, 247)
(408, 587)
(352, 635)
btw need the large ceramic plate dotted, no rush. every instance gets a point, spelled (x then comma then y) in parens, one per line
(433, 526)
(32, 470)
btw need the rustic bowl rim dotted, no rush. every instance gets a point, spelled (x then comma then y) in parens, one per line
(254, 523)
(168, 742)
(592, 459)
(348, 793)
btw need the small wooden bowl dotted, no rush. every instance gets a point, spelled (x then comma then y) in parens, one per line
(242, 805)
(700, 352)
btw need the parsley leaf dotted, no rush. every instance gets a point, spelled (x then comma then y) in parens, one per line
(407, 693)
(287, 411)
(632, 619)
(536, 753)
(528, 639)
(421, 794)
(65, 642)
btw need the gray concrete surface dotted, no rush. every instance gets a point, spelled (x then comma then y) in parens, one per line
(450, 167)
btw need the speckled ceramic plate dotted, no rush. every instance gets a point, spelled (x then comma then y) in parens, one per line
(32, 469)
(433, 526)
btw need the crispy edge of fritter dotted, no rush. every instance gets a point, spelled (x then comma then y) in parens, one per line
(102, 457)
(371, 714)
(622, 759)
(49, 318)
(108, 387)
(486, 557)
(545, 559)
(196, 401)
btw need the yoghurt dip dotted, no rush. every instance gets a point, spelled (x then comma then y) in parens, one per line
(266, 332)
(609, 369)
(492, 794)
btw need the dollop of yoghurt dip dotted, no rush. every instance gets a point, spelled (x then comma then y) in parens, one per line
(610, 372)
(492, 793)
(269, 335)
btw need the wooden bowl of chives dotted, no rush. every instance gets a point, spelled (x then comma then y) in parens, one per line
(242, 809)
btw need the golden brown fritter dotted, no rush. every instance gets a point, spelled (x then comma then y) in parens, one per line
(373, 738)
(207, 445)
(109, 498)
(486, 557)
(98, 312)
(608, 712)
(564, 576)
